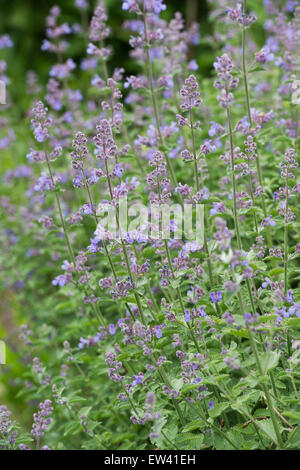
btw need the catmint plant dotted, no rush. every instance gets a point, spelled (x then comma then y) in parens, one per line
(124, 328)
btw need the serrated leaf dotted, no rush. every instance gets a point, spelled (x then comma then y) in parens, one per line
(269, 360)
(218, 409)
(293, 441)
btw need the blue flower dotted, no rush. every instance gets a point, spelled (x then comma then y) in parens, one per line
(268, 221)
(202, 311)
(216, 296)
(157, 331)
(187, 316)
(118, 170)
(138, 379)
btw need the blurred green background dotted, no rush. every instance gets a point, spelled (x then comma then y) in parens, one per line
(24, 21)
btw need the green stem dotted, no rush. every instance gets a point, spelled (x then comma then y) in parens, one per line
(70, 250)
(235, 212)
(154, 101)
(124, 249)
(194, 148)
(248, 106)
(69, 246)
(265, 389)
(262, 374)
(234, 186)
(286, 235)
(208, 260)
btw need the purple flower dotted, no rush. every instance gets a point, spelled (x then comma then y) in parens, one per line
(24, 447)
(229, 318)
(131, 5)
(61, 71)
(138, 379)
(201, 311)
(219, 207)
(118, 170)
(157, 331)
(190, 94)
(187, 316)
(151, 6)
(266, 283)
(40, 123)
(268, 221)
(150, 399)
(5, 421)
(41, 419)
(41, 134)
(62, 280)
(81, 4)
(250, 319)
(295, 310)
(82, 343)
(192, 65)
(216, 296)
(215, 129)
(5, 41)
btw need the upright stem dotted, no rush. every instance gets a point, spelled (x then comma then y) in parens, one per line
(124, 249)
(70, 250)
(266, 390)
(209, 267)
(245, 74)
(235, 212)
(194, 149)
(154, 102)
(165, 379)
(258, 163)
(296, 126)
(286, 247)
(69, 246)
(234, 187)
(139, 163)
(96, 221)
(252, 197)
(262, 374)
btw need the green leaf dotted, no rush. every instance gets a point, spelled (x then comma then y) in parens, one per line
(269, 360)
(196, 424)
(267, 426)
(276, 271)
(259, 265)
(293, 441)
(175, 283)
(72, 428)
(293, 414)
(63, 306)
(218, 409)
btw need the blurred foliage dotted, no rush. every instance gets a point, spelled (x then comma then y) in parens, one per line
(25, 23)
